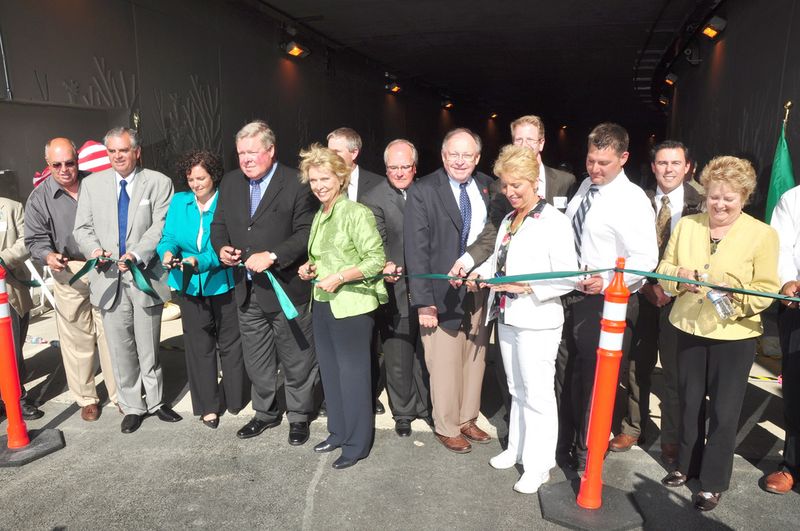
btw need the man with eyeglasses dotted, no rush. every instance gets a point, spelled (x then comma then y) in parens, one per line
(262, 224)
(49, 219)
(397, 324)
(446, 213)
(119, 218)
(13, 254)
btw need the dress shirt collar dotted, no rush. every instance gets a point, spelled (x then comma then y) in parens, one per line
(675, 197)
(207, 206)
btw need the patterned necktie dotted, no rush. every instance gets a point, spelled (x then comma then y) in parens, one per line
(580, 217)
(466, 216)
(122, 215)
(255, 195)
(663, 223)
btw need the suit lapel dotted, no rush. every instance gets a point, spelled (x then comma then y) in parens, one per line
(483, 188)
(276, 184)
(447, 199)
(138, 193)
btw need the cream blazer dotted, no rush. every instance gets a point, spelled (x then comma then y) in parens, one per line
(540, 245)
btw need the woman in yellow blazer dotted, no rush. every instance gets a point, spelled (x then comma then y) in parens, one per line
(344, 246)
(726, 247)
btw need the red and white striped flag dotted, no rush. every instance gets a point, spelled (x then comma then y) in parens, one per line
(92, 157)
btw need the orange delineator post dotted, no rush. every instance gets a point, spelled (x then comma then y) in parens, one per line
(9, 376)
(606, 376)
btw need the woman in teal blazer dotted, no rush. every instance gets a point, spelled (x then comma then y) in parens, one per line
(208, 308)
(344, 247)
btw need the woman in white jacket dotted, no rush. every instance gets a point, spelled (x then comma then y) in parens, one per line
(534, 238)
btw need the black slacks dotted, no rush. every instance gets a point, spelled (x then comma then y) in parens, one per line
(269, 339)
(789, 332)
(717, 369)
(211, 323)
(406, 385)
(582, 339)
(343, 352)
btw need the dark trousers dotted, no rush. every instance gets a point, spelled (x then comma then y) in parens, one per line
(343, 351)
(269, 339)
(406, 384)
(717, 369)
(789, 331)
(651, 335)
(211, 323)
(583, 337)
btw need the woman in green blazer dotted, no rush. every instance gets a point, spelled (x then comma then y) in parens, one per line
(716, 349)
(208, 308)
(344, 247)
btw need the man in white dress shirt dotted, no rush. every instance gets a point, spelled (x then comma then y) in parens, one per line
(786, 220)
(611, 217)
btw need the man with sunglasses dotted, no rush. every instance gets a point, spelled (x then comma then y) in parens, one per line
(49, 220)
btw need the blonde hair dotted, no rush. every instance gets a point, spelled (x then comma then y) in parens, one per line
(318, 156)
(517, 161)
(258, 129)
(737, 173)
(530, 119)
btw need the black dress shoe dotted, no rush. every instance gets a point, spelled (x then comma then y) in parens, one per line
(324, 447)
(708, 502)
(298, 433)
(166, 414)
(256, 427)
(131, 423)
(674, 479)
(402, 427)
(344, 462)
(30, 412)
(211, 423)
(379, 409)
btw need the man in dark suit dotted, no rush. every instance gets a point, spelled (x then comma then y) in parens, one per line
(672, 199)
(262, 221)
(446, 212)
(398, 326)
(346, 142)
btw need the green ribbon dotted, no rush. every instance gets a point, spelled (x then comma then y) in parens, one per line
(287, 307)
(26, 283)
(139, 279)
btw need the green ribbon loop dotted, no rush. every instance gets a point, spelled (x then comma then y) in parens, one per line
(88, 266)
(286, 305)
(26, 283)
(139, 279)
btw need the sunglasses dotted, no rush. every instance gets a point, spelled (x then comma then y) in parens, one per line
(67, 164)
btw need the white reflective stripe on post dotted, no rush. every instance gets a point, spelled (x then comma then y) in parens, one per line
(610, 340)
(614, 311)
(3, 285)
(5, 311)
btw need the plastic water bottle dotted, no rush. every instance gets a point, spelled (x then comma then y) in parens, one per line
(722, 303)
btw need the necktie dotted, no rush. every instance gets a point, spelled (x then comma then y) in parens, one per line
(663, 222)
(466, 216)
(122, 215)
(255, 195)
(580, 217)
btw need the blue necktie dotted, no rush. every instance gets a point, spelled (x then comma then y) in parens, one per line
(122, 215)
(255, 195)
(580, 217)
(466, 216)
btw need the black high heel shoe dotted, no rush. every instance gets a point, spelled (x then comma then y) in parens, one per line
(211, 423)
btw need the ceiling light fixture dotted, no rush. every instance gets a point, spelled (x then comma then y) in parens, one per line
(295, 49)
(447, 103)
(671, 79)
(663, 100)
(493, 115)
(714, 27)
(390, 84)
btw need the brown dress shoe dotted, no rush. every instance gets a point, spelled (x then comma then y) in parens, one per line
(779, 482)
(90, 413)
(622, 442)
(458, 444)
(669, 453)
(472, 432)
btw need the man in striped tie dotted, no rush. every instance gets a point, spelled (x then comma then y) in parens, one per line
(611, 217)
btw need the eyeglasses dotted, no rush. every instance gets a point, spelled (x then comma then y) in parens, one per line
(66, 164)
(466, 157)
(404, 168)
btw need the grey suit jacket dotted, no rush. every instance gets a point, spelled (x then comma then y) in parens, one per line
(96, 226)
(14, 254)
(558, 184)
(366, 182)
(388, 206)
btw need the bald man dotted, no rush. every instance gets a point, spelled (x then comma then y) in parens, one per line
(49, 220)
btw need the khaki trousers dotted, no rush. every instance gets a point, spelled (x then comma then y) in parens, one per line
(456, 362)
(80, 332)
